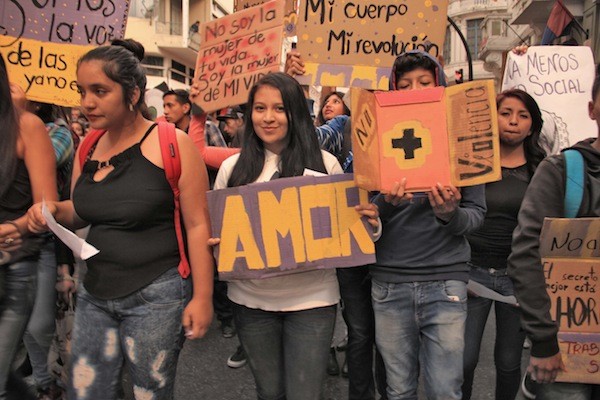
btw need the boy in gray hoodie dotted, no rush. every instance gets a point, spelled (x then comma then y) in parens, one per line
(419, 281)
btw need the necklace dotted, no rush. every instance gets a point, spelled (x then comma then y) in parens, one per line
(103, 164)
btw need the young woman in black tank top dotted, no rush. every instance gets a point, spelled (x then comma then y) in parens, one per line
(133, 303)
(26, 175)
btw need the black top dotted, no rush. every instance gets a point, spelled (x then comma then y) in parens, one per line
(14, 203)
(491, 244)
(131, 213)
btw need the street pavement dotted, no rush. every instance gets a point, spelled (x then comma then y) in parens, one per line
(204, 375)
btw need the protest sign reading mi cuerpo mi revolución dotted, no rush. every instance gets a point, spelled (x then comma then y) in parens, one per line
(42, 41)
(560, 79)
(354, 43)
(235, 52)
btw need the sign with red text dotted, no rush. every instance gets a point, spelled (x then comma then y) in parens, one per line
(42, 40)
(570, 251)
(560, 80)
(289, 20)
(354, 43)
(289, 225)
(445, 135)
(235, 52)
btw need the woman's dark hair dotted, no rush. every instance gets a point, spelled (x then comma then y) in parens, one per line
(49, 112)
(9, 122)
(534, 154)
(596, 85)
(320, 118)
(122, 64)
(301, 145)
(408, 62)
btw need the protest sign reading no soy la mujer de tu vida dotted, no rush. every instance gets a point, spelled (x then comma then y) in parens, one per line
(560, 79)
(570, 250)
(354, 43)
(42, 40)
(235, 52)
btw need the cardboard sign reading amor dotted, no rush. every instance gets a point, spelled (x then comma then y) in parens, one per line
(235, 52)
(354, 43)
(289, 225)
(570, 250)
(445, 135)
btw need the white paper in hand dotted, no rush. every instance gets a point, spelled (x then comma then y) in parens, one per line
(479, 290)
(80, 247)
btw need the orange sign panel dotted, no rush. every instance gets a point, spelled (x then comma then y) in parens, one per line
(445, 135)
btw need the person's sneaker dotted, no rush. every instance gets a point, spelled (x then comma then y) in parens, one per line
(53, 392)
(227, 330)
(237, 359)
(529, 387)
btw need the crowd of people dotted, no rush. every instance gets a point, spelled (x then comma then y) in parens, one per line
(154, 282)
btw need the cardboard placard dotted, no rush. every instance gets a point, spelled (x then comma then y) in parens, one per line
(46, 72)
(289, 20)
(560, 79)
(569, 249)
(43, 40)
(289, 225)
(445, 135)
(235, 52)
(354, 43)
(581, 355)
(83, 22)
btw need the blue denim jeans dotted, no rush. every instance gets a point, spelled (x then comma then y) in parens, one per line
(421, 322)
(287, 351)
(509, 335)
(355, 290)
(15, 309)
(40, 329)
(143, 327)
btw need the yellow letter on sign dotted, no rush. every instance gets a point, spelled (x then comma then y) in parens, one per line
(237, 229)
(355, 226)
(315, 196)
(281, 218)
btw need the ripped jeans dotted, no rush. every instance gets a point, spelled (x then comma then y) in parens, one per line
(143, 327)
(421, 322)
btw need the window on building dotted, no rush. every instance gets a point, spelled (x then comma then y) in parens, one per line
(178, 72)
(498, 28)
(154, 65)
(447, 52)
(474, 36)
(191, 76)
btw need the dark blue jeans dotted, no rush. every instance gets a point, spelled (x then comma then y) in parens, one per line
(145, 327)
(509, 335)
(287, 351)
(15, 309)
(355, 290)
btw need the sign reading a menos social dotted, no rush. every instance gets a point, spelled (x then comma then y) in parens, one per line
(290, 225)
(570, 251)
